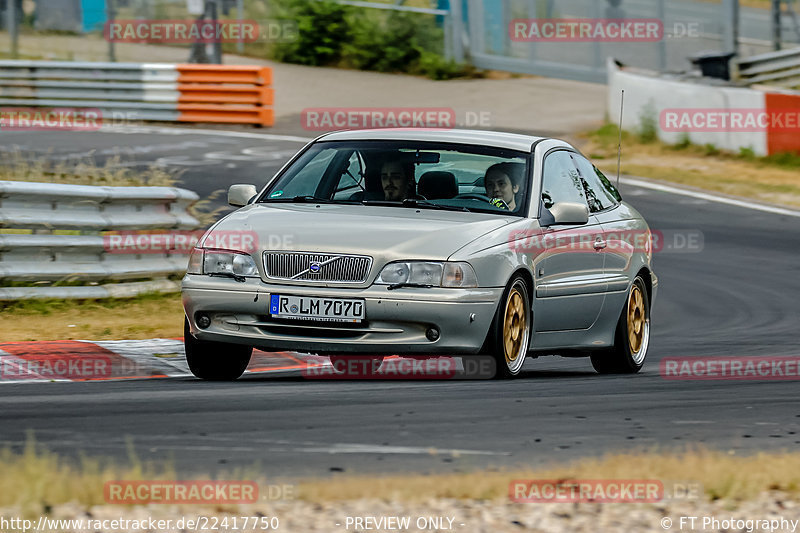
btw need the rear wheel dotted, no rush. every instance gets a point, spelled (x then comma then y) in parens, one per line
(510, 333)
(215, 361)
(632, 336)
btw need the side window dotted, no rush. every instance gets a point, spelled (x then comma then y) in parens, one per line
(561, 182)
(608, 186)
(599, 195)
(350, 179)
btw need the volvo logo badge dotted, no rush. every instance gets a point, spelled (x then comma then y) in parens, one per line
(315, 267)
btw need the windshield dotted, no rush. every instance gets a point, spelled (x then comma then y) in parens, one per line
(408, 174)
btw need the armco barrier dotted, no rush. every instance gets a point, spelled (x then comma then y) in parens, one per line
(143, 91)
(648, 94)
(46, 256)
(778, 69)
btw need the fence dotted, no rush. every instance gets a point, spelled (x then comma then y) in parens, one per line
(143, 91)
(478, 30)
(49, 255)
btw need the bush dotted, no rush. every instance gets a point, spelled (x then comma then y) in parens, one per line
(321, 31)
(684, 142)
(331, 34)
(747, 153)
(648, 124)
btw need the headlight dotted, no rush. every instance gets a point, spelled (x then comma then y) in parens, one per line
(428, 273)
(221, 262)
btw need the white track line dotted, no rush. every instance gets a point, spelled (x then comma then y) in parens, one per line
(746, 204)
(216, 133)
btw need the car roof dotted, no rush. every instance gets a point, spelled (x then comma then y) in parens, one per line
(495, 139)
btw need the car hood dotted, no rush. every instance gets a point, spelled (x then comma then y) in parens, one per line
(385, 233)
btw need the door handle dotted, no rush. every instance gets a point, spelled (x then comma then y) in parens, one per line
(599, 244)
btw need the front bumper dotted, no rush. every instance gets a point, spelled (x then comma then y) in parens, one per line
(396, 321)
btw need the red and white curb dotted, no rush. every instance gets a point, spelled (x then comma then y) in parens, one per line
(81, 360)
(44, 361)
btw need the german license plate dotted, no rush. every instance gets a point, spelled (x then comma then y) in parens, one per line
(312, 308)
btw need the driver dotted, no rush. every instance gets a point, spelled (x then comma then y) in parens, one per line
(397, 180)
(502, 182)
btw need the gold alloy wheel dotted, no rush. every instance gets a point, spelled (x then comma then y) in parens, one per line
(636, 319)
(514, 326)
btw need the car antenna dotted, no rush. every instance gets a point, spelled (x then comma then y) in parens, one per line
(619, 145)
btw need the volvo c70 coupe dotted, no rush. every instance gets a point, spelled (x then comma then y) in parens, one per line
(410, 242)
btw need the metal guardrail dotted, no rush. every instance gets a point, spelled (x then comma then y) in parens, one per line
(143, 91)
(777, 69)
(46, 256)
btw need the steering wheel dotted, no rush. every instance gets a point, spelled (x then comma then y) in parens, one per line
(474, 196)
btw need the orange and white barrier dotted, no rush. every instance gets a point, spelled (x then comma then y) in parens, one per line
(233, 94)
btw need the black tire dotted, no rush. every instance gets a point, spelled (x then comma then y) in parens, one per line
(215, 361)
(364, 366)
(509, 346)
(624, 357)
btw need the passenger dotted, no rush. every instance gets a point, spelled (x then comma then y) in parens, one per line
(397, 180)
(503, 182)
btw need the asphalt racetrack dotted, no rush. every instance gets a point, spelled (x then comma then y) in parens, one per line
(735, 295)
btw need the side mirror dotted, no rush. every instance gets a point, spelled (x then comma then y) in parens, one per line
(239, 195)
(569, 214)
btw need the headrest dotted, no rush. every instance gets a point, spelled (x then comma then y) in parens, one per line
(436, 185)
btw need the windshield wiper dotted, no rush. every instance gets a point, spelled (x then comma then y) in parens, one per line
(240, 279)
(307, 199)
(401, 285)
(296, 199)
(413, 202)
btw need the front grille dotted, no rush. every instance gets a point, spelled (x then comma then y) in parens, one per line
(334, 268)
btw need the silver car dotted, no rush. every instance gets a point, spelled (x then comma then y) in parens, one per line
(416, 242)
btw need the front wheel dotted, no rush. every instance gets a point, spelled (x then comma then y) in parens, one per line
(632, 336)
(215, 361)
(510, 333)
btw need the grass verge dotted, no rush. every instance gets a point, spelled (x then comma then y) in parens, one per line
(722, 476)
(143, 317)
(16, 165)
(773, 179)
(35, 480)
